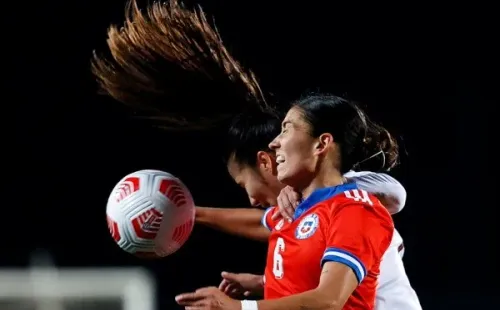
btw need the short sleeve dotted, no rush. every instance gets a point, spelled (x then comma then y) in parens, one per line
(266, 220)
(358, 235)
(381, 184)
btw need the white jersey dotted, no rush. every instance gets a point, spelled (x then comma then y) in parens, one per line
(394, 291)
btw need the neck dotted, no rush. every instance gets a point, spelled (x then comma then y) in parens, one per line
(329, 178)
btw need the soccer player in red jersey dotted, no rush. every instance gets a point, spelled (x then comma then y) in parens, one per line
(252, 165)
(329, 256)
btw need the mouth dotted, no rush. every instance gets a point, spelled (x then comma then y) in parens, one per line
(280, 159)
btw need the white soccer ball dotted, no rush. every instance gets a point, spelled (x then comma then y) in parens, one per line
(150, 213)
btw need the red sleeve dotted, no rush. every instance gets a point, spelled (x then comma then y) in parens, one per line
(266, 218)
(357, 236)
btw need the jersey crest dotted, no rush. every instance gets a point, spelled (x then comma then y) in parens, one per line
(307, 227)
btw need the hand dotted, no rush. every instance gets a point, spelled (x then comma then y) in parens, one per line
(237, 284)
(288, 200)
(208, 298)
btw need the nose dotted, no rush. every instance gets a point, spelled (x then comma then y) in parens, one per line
(274, 145)
(254, 202)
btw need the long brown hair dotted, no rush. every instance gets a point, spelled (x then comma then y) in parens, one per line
(172, 65)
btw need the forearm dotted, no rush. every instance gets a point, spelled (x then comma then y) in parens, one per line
(244, 222)
(310, 300)
(259, 287)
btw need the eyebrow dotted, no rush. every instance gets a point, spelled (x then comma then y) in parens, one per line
(285, 123)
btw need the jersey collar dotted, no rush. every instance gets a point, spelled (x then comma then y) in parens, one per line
(321, 194)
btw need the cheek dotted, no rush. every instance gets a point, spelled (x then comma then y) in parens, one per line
(250, 190)
(253, 189)
(298, 150)
(288, 146)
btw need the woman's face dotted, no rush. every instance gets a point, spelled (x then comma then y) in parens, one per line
(295, 150)
(259, 181)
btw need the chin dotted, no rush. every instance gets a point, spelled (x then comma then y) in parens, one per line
(281, 172)
(284, 179)
(281, 177)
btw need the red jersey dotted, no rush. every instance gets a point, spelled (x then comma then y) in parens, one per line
(340, 224)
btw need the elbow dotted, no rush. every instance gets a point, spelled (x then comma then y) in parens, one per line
(399, 198)
(395, 199)
(334, 305)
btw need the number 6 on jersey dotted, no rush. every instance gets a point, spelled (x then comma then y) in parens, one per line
(278, 259)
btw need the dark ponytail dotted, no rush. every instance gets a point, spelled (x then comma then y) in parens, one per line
(379, 148)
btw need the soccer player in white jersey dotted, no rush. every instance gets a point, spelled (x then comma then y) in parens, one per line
(252, 165)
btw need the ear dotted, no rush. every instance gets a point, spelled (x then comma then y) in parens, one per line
(325, 141)
(265, 161)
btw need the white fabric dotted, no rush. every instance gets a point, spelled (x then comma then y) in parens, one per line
(249, 305)
(394, 291)
(382, 185)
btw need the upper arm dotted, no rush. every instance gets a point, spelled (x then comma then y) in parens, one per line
(337, 281)
(357, 236)
(390, 191)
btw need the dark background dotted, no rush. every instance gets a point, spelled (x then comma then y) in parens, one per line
(429, 74)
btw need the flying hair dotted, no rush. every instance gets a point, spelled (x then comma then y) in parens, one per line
(171, 65)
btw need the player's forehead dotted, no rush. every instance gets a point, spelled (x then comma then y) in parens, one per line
(294, 117)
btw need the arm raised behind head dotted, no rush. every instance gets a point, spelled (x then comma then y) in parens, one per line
(390, 192)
